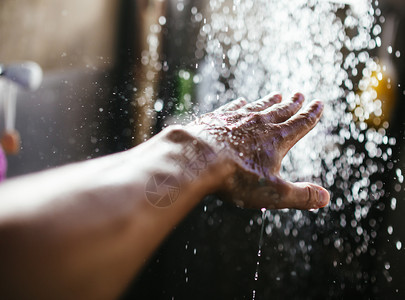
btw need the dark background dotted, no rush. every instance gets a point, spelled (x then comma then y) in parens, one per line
(62, 122)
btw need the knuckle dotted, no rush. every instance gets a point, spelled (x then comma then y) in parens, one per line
(309, 118)
(269, 117)
(177, 133)
(241, 100)
(311, 197)
(257, 118)
(258, 106)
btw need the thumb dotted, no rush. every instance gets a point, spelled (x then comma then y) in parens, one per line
(305, 195)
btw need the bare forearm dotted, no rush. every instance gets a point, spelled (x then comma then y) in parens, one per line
(82, 231)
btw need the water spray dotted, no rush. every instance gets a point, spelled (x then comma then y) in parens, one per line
(320, 48)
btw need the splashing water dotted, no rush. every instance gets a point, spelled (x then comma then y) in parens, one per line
(256, 48)
(316, 47)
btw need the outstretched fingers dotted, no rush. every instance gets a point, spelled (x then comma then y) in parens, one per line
(284, 110)
(263, 103)
(299, 125)
(233, 105)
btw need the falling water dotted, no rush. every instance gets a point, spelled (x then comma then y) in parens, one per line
(325, 49)
(259, 251)
(317, 47)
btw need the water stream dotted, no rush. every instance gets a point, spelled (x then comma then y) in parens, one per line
(329, 50)
(320, 48)
(259, 251)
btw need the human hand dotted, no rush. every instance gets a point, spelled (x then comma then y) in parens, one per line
(254, 138)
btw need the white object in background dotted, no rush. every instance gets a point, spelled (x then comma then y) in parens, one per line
(27, 75)
(10, 97)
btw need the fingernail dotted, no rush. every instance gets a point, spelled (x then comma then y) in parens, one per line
(276, 96)
(323, 198)
(298, 97)
(317, 106)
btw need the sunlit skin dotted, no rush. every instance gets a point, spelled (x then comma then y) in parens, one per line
(258, 136)
(83, 231)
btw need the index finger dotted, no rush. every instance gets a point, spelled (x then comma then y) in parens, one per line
(233, 105)
(263, 103)
(299, 125)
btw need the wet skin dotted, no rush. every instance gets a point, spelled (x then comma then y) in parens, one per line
(89, 227)
(254, 138)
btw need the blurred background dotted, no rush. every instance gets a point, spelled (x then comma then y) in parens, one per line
(116, 72)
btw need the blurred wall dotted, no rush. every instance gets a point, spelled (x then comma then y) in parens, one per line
(59, 33)
(399, 5)
(77, 44)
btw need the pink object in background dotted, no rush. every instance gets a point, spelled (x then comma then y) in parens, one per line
(3, 165)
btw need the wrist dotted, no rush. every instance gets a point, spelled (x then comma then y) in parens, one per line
(198, 157)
